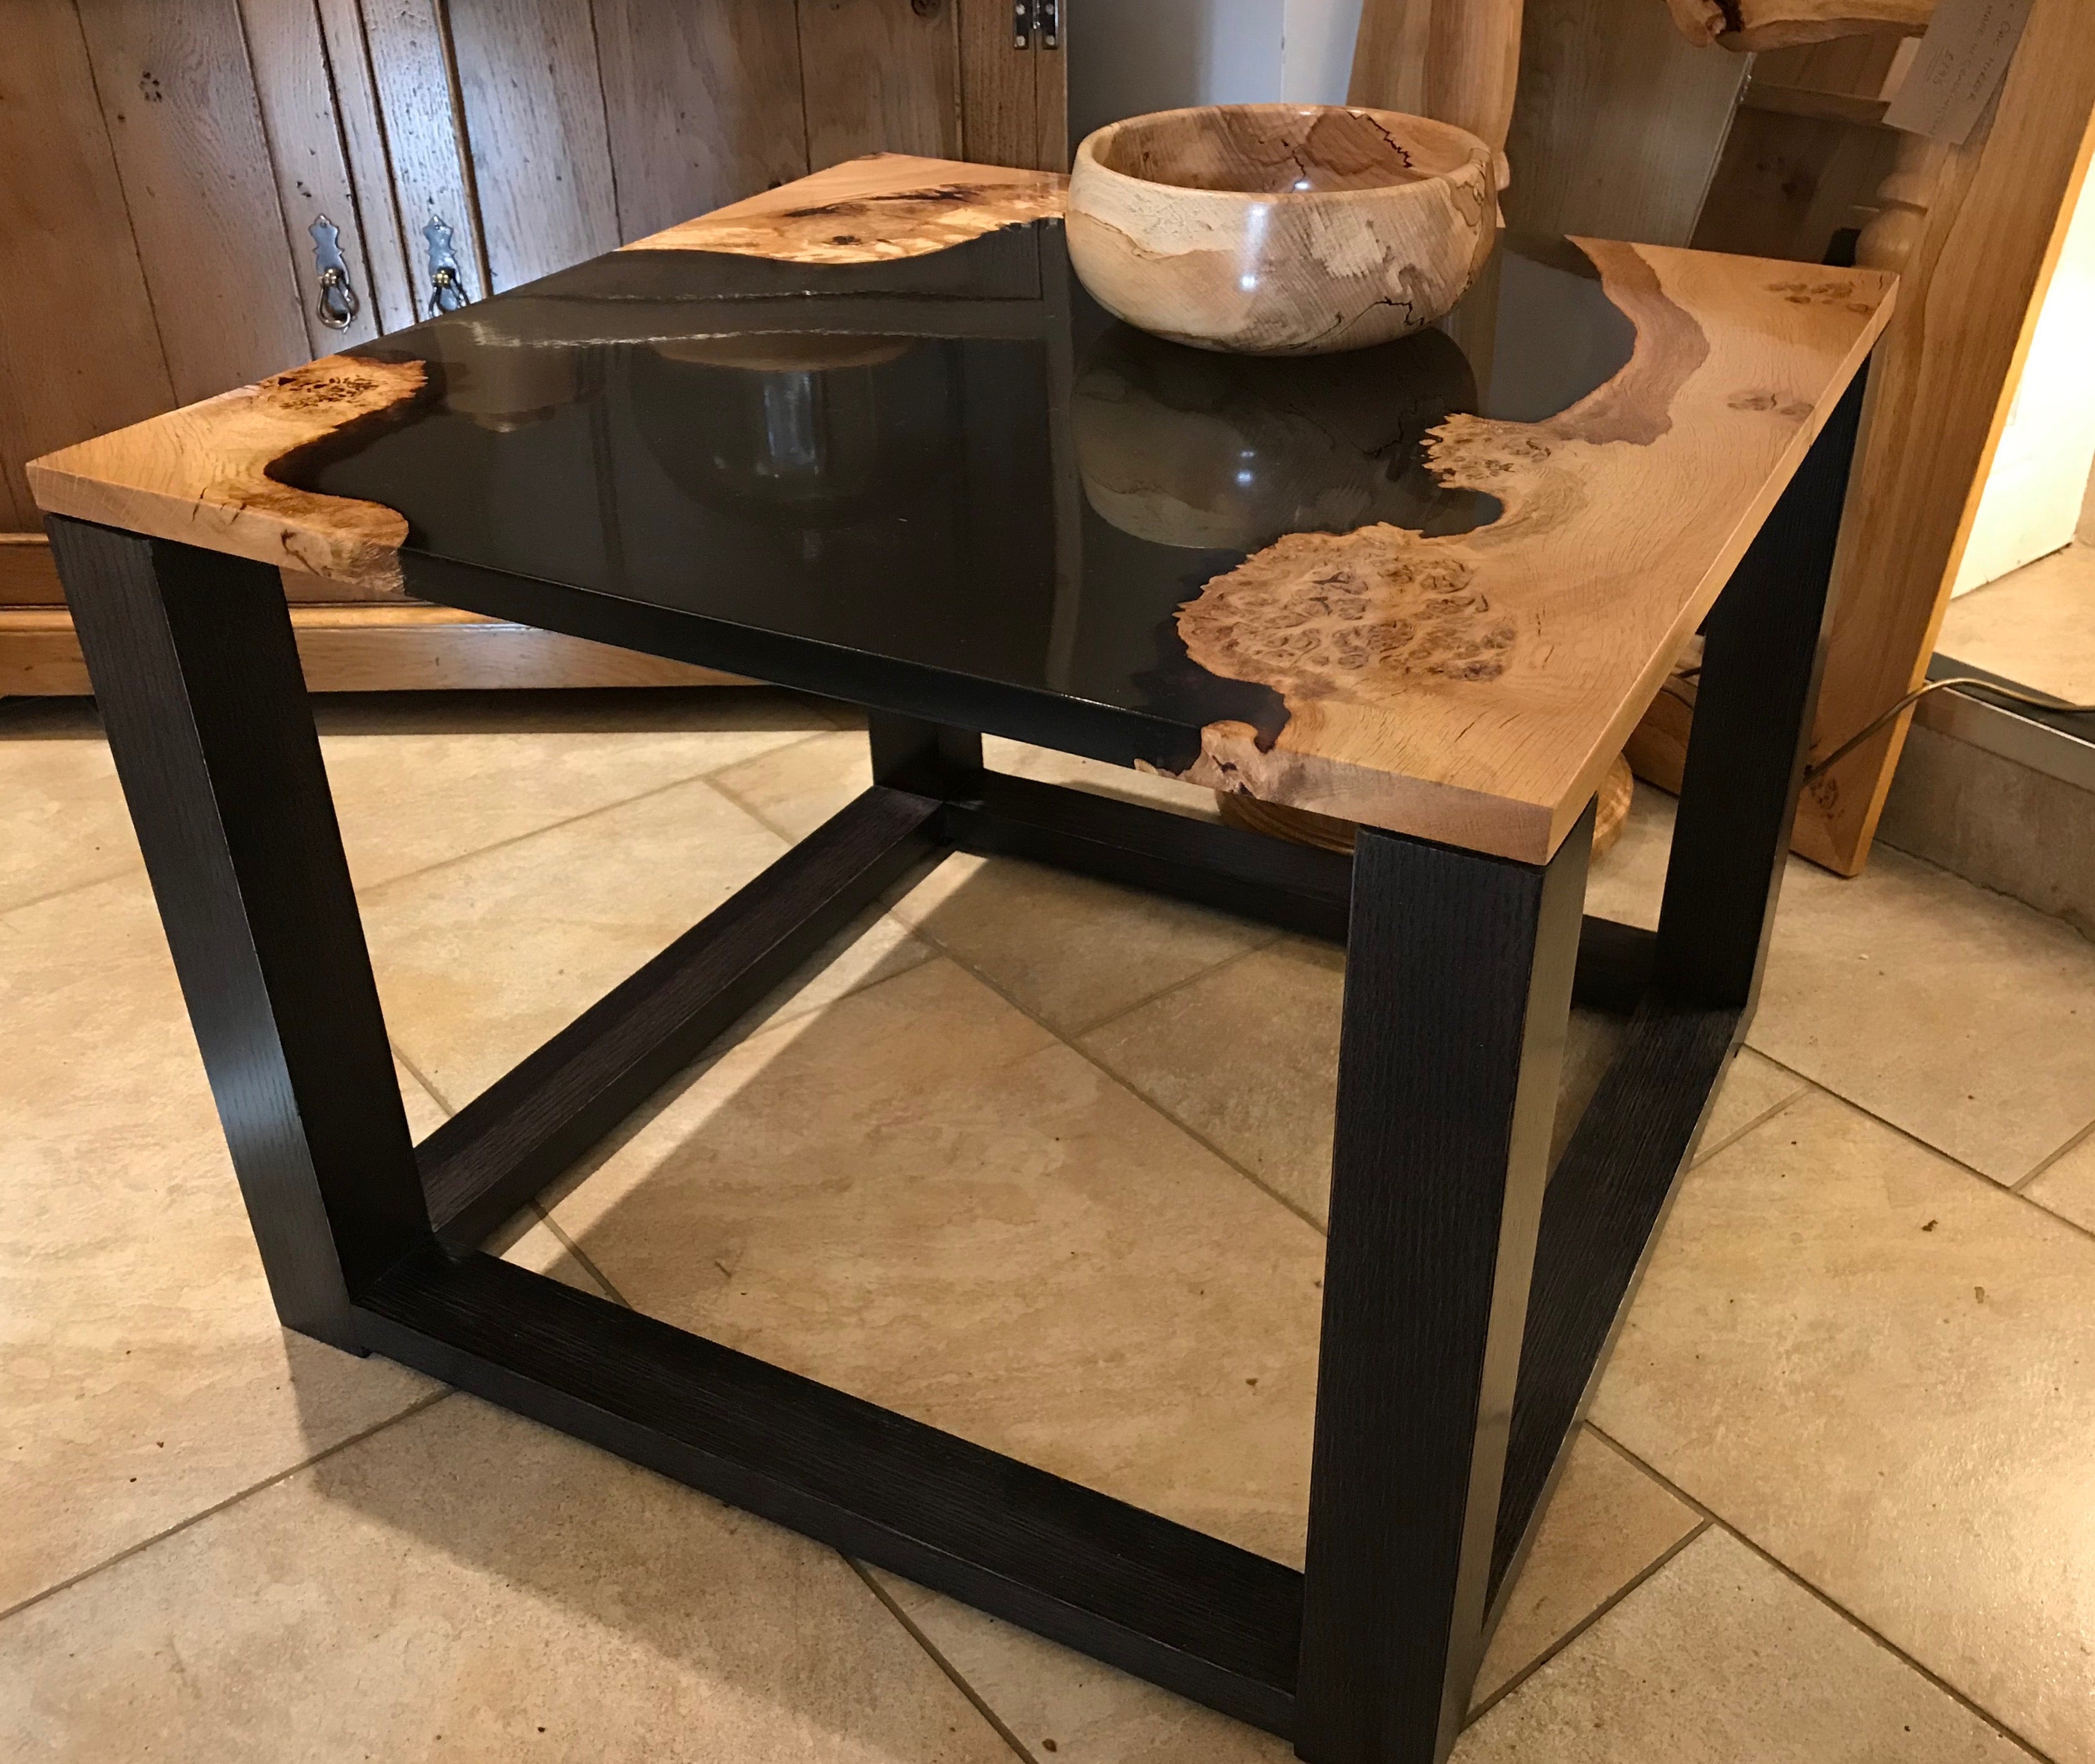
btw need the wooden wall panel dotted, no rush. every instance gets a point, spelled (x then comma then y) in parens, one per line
(999, 106)
(535, 119)
(1617, 122)
(1052, 146)
(702, 102)
(880, 76)
(418, 102)
(312, 165)
(79, 350)
(363, 141)
(178, 96)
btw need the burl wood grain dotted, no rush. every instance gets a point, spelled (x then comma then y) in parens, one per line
(1281, 229)
(206, 474)
(1475, 688)
(886, 205)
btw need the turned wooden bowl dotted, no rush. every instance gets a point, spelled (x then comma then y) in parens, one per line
(1281, 229)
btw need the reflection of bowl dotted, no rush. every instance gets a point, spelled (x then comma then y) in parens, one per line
(1197, 449)
(1281, 229)
(812, 430)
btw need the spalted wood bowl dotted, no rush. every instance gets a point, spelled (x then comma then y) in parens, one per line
(1281, 229)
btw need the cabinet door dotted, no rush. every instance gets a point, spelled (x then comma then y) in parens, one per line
(79, 354)
(702, 104)
(178, 98)
(880, 77)
(1014, 88)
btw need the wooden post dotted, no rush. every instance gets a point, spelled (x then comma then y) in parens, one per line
(1975, 232)
(1456, 61)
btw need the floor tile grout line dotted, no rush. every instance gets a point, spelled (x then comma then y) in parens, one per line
(1120, 1012)
(45, 898)
(2014, 1192)
(1702, 1155)
(415, 1407)
(1825, 1598)
(574, 1249)
(421, 1078)
(1598, 1611)
(2073, 1144)
(1114, 1078)
(916, 1634)
(591, 814)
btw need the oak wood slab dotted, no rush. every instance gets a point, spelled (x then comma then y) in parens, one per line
(1472, 690)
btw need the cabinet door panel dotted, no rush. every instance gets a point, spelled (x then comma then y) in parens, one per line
(411, 70)
(1000, 107)
(534, 118)
(370, 170)
(703, 100)
(79, 354)
(311, 167)
(178, 96)
(880, 77)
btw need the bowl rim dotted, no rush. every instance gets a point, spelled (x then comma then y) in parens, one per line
(1481, 153)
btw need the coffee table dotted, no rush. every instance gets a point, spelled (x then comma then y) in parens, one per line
(863, 436)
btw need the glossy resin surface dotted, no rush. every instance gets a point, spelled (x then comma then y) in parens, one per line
(956, 460)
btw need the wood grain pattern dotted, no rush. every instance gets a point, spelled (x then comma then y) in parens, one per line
(201, 474)
(307, 153)
(392, 646)
(1939, 397)
(884, 206)
(178, 95)
(534, 117)
(80, 354)
(1474, 690)
(1619, 124)
(1749, 25)
(364, 143)
(28, 576)
(1014, 102)
(1457, 61)
(1281, 229)
(419, 103)
(880, 76)
(702, 103)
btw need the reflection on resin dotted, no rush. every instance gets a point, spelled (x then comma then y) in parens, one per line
(956, 461)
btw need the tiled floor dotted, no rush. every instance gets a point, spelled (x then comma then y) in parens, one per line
(1043, 1163)
(2036, 625)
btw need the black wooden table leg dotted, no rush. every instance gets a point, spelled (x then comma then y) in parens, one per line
(1764, 644)
(196, 676)
(932, 758)
(1458, 998)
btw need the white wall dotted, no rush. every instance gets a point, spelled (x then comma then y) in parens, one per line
(2032, 501)
(1129, 56)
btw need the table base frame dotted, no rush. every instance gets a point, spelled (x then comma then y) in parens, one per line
(1471, 1294)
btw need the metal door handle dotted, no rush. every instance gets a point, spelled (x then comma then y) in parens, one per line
(447, 280)
(338, 305)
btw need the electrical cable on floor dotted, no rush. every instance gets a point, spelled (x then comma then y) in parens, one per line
(2035, 700)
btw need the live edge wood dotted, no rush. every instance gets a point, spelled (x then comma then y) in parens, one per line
(202, 474)
(1474, 689)
(1471, 690)
(1749, 25)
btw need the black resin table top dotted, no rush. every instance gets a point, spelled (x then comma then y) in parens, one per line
(956, 460)
(865, 435)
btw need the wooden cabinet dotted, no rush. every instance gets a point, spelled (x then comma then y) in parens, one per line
(167, 166)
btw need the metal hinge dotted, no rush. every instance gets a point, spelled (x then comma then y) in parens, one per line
(1036, 18)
